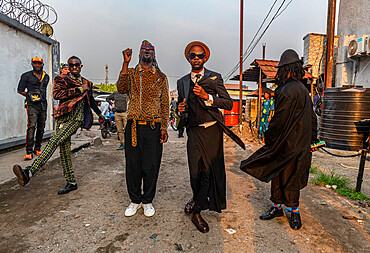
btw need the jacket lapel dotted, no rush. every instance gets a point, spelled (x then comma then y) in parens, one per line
(186, 85)
(207, 73)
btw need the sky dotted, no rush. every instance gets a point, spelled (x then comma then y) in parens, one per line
(97, 31)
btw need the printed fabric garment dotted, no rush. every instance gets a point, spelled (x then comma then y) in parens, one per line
(267, 107)
(67, 125)
(148, 95)
(68, 90)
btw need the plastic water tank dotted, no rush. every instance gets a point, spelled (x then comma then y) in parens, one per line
(343, 108)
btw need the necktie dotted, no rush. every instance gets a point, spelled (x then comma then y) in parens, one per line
(198, 76)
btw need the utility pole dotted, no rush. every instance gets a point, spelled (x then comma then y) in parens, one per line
(241, 68)
(106, 75)
(328, 72)
(259, 101)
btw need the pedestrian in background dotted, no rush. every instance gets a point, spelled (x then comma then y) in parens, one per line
(120, 114)
(267, 113)
(75, 95)
(147, 122)
(285, 159)
(33, 86)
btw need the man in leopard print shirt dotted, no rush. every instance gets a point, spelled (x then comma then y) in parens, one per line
(146, 129)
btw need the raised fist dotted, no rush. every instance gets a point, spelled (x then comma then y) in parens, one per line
(127, 55)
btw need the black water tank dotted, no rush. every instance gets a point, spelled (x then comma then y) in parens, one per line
(343, 107)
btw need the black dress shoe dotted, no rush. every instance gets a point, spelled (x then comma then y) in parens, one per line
(189, 207)
(22, 175)
(295, 221)
(67, 188)
(200, 223)
(272, 213)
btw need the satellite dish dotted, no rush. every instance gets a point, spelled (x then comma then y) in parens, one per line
(47, 30)
(352, 48)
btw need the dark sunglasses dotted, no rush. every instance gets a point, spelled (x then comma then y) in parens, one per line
(200, 55)
(71, 65)
(147, 47)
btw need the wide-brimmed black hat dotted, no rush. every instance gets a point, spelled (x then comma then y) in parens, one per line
(288, 57)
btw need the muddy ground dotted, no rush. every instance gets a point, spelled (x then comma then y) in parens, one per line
(35, 219)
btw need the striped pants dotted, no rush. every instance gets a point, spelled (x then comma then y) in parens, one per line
(62, 138)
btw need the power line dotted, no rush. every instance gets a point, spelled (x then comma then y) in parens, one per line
(255, 35)
(251, 48)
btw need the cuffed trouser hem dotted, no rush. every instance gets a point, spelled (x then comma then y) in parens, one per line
(286, 203)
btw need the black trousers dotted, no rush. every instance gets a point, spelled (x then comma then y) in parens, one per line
(280, 194)
(181, 131)
(143, 162)
(35, 121)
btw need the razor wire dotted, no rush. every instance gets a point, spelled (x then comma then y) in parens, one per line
(31, 13)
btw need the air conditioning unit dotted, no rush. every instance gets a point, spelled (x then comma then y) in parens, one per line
(358, 47)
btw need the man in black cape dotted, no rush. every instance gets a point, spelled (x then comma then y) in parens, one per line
(201, 94)
(285, 159)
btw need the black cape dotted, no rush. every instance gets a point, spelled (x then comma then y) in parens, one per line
(291, 131)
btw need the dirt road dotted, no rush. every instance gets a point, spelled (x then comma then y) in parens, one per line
(91, 219)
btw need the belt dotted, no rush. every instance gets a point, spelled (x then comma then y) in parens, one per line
(143, 122)
(120, 111)
(133, 129)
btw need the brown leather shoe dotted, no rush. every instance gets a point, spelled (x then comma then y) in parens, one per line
(200, 223)
(189, 207)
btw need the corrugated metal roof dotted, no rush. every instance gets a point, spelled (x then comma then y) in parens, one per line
(268, 68)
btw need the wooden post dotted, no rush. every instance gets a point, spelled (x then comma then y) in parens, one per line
(241, 68)
(328, 72)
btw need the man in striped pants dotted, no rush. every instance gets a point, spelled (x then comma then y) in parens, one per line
(75, 99)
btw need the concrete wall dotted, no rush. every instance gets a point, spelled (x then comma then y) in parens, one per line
(353, 21)
(18, 44)
(314, 53)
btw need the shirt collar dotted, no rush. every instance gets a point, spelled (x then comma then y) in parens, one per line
(193, 74)
(78, 79)
(152, 69)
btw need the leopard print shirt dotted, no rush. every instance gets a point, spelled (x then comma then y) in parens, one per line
(150, 102)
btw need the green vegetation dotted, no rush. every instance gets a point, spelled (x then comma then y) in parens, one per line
(313, 170)
(352, 194)
(109, 87)
(331, 179)
(339, 182)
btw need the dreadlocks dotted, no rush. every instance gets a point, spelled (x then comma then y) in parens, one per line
(155, 64)
(294, 71)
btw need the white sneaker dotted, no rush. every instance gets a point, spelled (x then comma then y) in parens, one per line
(148, 210)
(132, 209)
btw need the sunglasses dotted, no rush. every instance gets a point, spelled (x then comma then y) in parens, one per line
(147, 47)
(71, 65)
(193, 55)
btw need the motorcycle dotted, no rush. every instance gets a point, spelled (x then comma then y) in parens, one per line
(108, 125)
(173, 120)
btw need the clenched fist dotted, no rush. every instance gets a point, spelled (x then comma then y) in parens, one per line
(127, 53)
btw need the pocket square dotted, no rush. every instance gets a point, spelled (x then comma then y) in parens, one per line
(213, 78)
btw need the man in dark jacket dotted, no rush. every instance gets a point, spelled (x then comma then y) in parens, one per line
(75, 99)
(120, 115)
(201, 94)
(286, 158)
(33, 85)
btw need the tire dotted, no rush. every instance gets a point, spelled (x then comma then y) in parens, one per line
(173, 124)
(104, 133)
